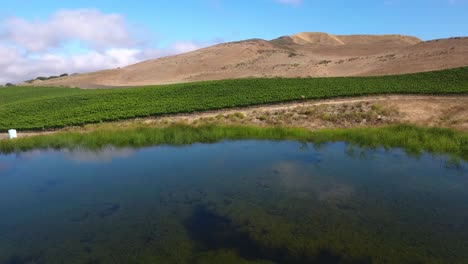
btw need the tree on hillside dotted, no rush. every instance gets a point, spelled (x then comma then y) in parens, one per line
(42, 78)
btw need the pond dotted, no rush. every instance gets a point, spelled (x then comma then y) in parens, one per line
(233, 202)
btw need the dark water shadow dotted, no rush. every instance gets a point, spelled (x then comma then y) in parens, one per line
(108, 210)
(213, 232)
(19, 259)
(49, 185)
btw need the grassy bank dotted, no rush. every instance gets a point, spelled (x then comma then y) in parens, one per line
(413, 139)
(36, 108)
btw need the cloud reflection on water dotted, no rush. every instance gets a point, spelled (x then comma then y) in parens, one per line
(107, 154)
(302, 182)
(82, 155)
(4, 167)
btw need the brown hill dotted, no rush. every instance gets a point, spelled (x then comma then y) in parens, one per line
(305, 38)
(300, 55)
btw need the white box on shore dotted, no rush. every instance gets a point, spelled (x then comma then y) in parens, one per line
(12, 133)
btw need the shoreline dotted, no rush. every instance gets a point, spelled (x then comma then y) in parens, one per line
(415, 140)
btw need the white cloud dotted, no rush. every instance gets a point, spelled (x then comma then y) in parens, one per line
(17, 66)
(290, 2)
(185, 46)
(8, 55)
(176, 48)
(29, 49)
(110, 58)
(89, 26)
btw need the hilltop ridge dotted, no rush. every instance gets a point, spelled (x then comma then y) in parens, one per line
(306, 54)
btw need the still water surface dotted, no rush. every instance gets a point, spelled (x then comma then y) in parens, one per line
(233, 202)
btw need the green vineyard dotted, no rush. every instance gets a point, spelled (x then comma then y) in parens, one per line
(37, 108)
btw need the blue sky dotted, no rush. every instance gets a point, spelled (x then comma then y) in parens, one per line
(124, 32)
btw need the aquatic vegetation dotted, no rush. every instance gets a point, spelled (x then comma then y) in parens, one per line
(412, 138)
(214, 232)
(37, 108)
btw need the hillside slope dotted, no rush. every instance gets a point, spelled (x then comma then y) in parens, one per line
(36, 108)
(300, 55)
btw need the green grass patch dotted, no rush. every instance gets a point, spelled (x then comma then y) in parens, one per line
(36, 108)
(413, 139)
